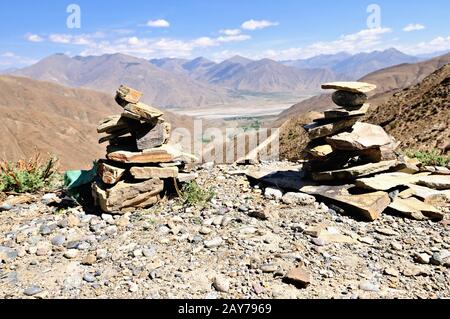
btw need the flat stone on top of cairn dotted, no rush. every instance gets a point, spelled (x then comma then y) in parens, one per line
(355, 87)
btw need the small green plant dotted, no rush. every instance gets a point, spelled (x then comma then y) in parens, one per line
(27, 175)
(254, 126)
(429, 158)
(193, 195)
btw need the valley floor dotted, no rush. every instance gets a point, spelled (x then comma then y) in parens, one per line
(171, 251)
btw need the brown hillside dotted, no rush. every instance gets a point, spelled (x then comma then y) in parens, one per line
(52, 118)
(419, 116)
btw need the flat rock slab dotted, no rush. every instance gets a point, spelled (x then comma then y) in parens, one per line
(154, 172)
(439, 182)
(320, 151)
(141, 111)
(163, 154)
(316, 130)
(356, 87)
(387, 181)
(369, 206)
(343, 113)
(354, 172)
(110, 174)
(125, 95)
(299, 277)
(112, 124)
(363, 136)
(125, 195)
(151, 135)
(283, 179)
(414, 208)
(422, 192)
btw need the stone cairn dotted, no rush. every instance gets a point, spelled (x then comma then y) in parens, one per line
(140, 164)
(355, 166)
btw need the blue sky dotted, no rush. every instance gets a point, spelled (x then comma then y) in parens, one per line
(218, 29)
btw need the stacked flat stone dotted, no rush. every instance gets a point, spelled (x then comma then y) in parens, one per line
(342, 149)
(339, 141)
(354, 165)
(139, 161)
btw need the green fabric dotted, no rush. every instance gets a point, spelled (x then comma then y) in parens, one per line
(74, 181)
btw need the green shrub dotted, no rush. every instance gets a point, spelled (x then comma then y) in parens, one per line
(429, 158)
(192, 194)
(27, 176)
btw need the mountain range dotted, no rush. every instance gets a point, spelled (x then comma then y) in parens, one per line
(201, 82)
(352, 67)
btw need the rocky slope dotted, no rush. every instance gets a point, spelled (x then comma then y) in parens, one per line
(241, 245)
(418, 117)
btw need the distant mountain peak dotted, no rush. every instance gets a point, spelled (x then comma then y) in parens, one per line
(239, 60)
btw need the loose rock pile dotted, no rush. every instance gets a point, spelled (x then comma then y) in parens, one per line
(357, 166)
(139, 163)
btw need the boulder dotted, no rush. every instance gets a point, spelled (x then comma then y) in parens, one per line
(363, 136)
(356, 87)
(370, 205)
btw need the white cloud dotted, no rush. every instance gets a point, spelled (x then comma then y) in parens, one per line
(230, 32)
(413, 27)
(257, 24)
(160, 23)
(133, 41)
(157, 47)
(434, 45)
(83, 39)
(34, 38)
(234, 38)
(11, 59)
(364, 40)
(8, 55)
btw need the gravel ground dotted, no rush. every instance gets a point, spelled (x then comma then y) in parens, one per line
(240, 245)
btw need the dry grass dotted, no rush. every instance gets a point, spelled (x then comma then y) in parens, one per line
(28, 175)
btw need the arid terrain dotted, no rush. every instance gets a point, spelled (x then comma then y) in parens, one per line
(240, 245)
